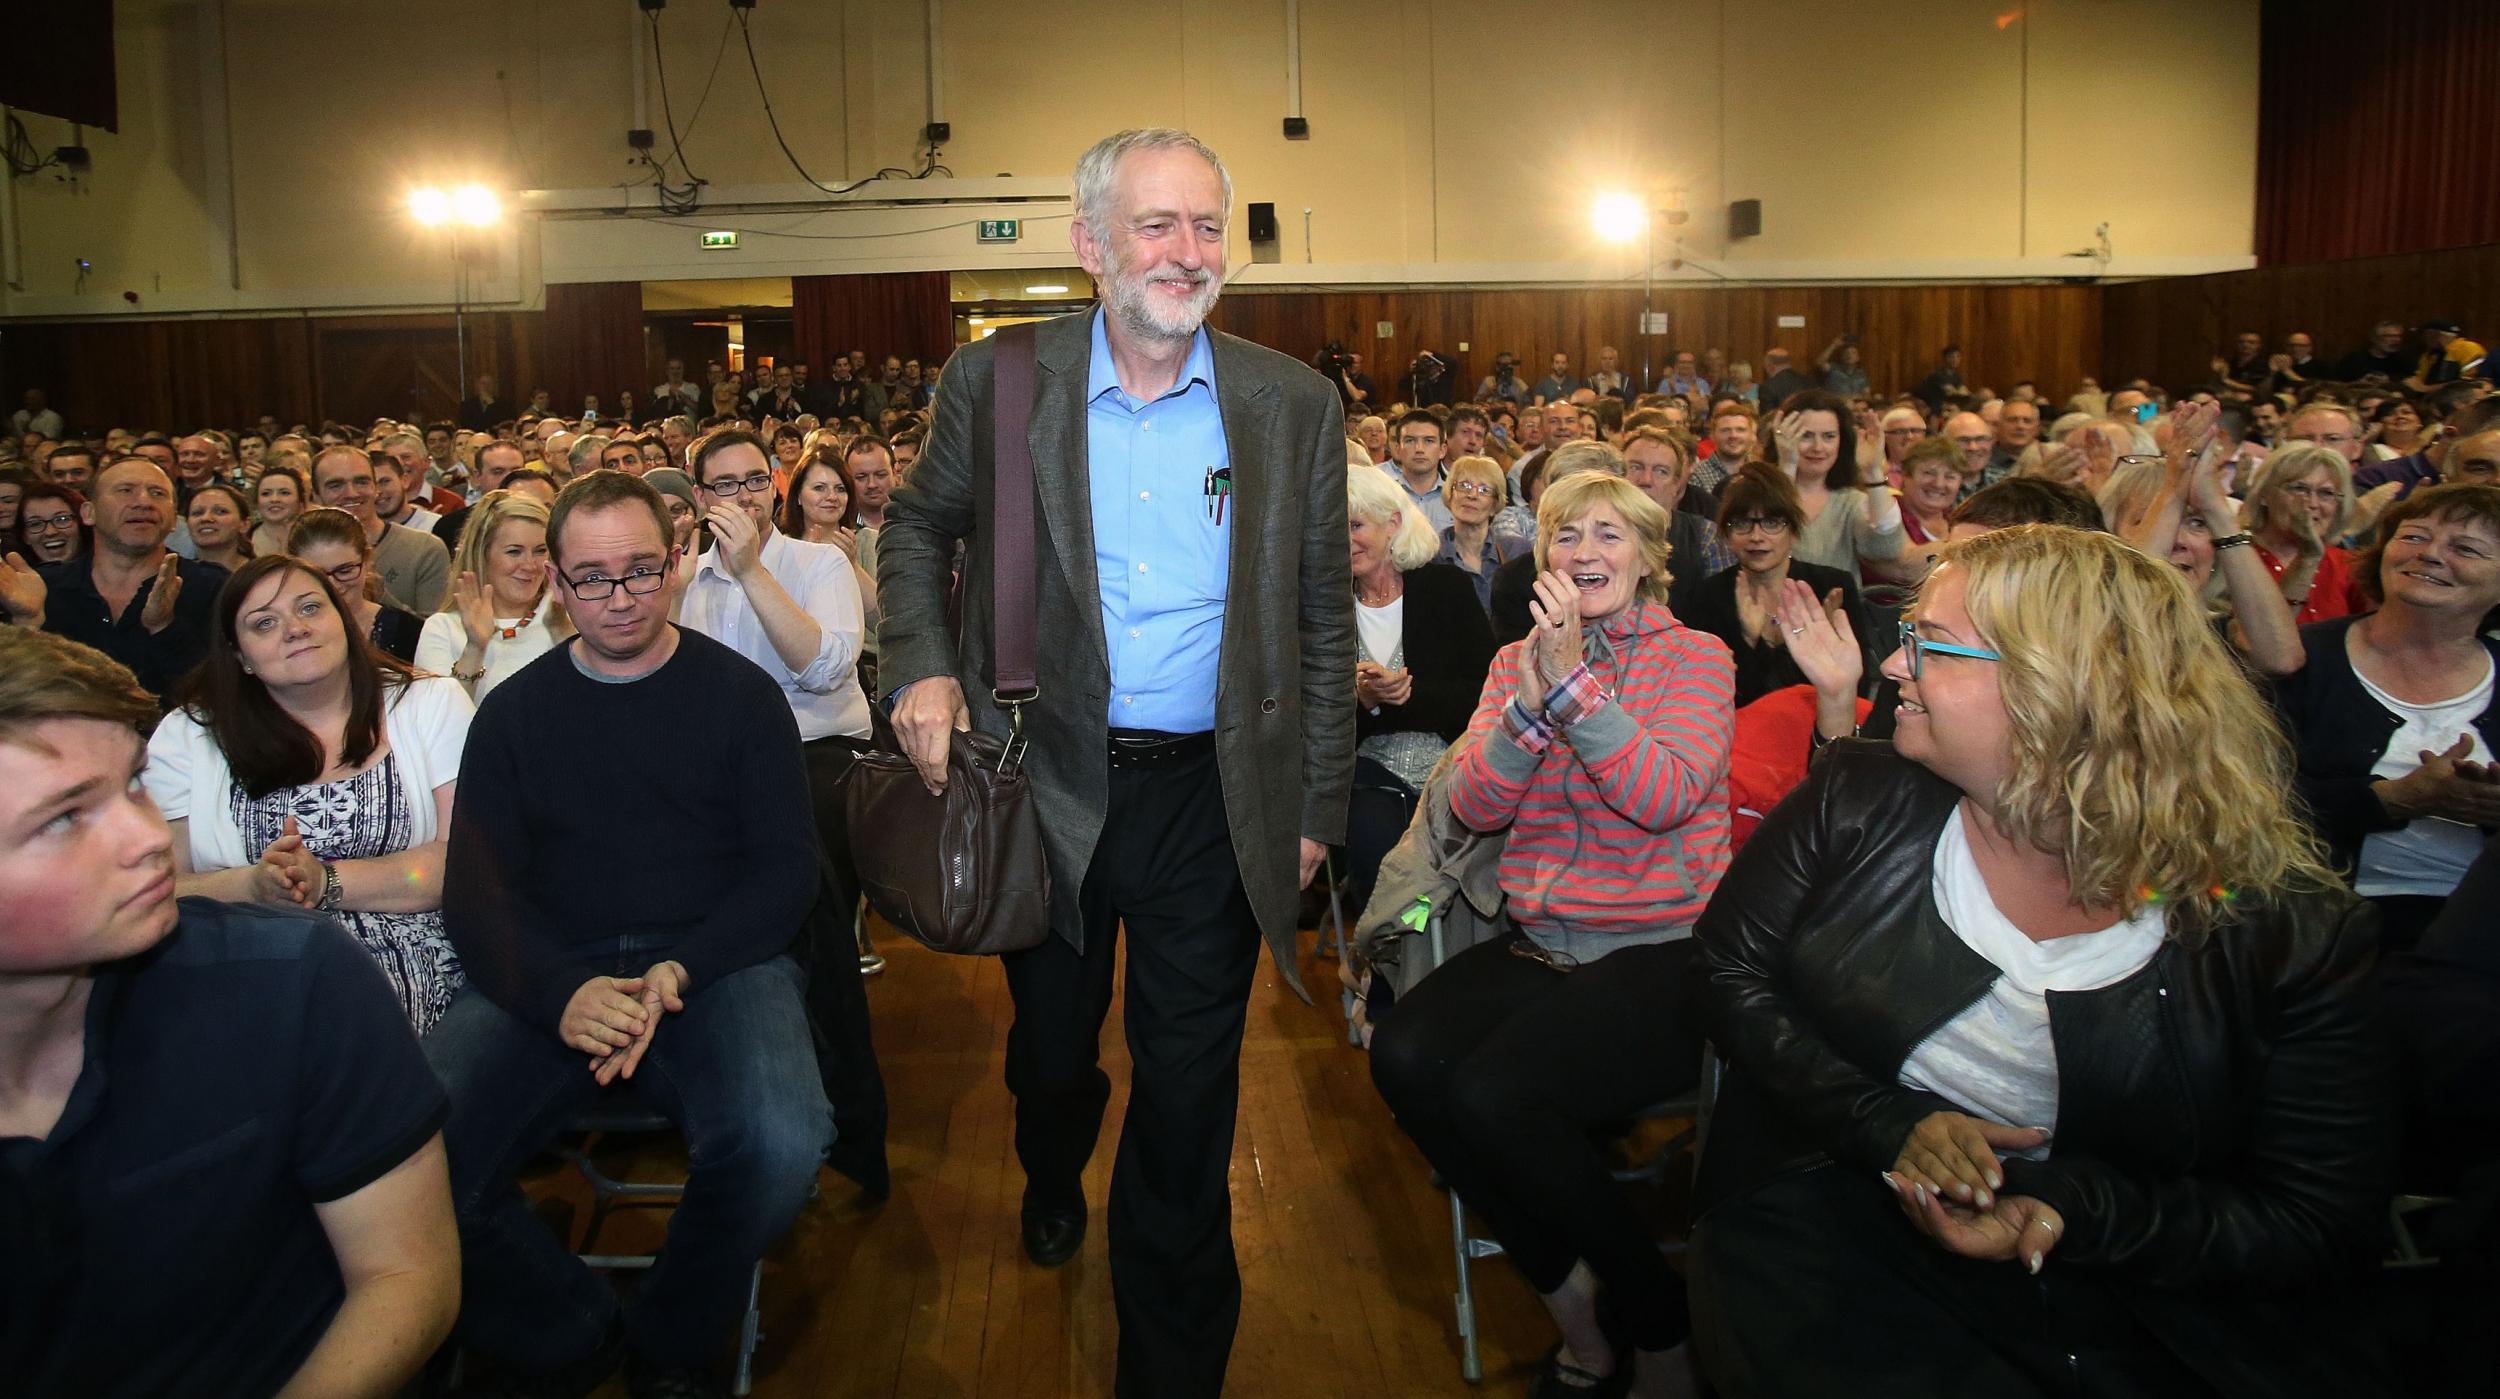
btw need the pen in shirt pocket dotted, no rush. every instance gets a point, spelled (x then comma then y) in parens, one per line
(1219, 489)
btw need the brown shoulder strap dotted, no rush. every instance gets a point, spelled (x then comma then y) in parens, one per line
(1016, 610)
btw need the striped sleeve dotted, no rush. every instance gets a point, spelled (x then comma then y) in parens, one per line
(1493, 767)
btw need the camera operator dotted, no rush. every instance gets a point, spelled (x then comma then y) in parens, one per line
(1503, 383)
(1353, 385)
(1426, 382)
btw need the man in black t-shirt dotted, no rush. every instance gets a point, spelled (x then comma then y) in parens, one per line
(221, 1168)
(2384, 356)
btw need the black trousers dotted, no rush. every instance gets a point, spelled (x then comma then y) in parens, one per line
(1498, 1066)
(1164, 871)
(1377, 814)
(1815, 1285)
(837, 997)
(828, 762)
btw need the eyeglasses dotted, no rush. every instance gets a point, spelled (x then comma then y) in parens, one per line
(1905, 432)
(1471, 488)
(728, 490)
(1767, 524)
(47, 523)
(347, 575)
(1915, 647)
(642, 582)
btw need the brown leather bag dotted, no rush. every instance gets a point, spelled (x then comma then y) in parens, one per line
(965, 871)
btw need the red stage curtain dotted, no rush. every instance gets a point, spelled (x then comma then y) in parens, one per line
(2374, 130)
(591, 343)
(885, 313)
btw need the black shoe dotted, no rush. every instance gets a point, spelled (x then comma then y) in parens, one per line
(644, 1380)
(1052, 1237)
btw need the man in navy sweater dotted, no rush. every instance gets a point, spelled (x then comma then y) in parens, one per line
(627, 922)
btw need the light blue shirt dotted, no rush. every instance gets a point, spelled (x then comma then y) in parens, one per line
(1161, 552)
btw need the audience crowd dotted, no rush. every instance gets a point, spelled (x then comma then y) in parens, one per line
(2011, 809)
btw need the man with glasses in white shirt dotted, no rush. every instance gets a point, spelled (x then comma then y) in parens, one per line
(794, 609)
(791, 607)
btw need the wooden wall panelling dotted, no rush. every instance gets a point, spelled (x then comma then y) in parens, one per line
(2169, 330)
(2051, 334)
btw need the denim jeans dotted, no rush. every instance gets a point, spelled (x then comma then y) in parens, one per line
(735, 1070)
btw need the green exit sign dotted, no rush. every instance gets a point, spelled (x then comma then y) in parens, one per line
(1000, 230)
(723, 240)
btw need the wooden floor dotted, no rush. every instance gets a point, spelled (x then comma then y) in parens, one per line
(1344, 1243)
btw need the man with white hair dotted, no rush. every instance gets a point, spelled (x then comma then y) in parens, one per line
(1192, 742)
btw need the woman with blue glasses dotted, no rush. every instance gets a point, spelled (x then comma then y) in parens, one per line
(2050, 1037)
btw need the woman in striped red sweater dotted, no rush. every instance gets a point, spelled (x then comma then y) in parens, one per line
(1601, 743)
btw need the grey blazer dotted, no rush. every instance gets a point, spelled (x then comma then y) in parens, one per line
(1284, 707)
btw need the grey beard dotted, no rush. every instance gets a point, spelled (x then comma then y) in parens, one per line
(1129, 303)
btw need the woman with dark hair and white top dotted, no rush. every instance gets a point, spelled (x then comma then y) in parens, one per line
(304, 768)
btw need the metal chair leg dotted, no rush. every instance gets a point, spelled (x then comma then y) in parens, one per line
(750, 1335)
(1470, 1360)
(1336, 935)
(871, 961)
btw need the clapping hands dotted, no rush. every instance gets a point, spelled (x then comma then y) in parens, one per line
(1557, 649)
(1376, 685)
(159, 613)
(22, 591)
(1819, 638)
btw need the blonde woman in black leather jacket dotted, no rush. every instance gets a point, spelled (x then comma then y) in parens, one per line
(2053, 1055)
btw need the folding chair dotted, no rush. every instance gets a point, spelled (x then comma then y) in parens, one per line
(1332, 942)
(624, 1116)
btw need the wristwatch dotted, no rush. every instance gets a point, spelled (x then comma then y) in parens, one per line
(329, 901)
(2233, 541)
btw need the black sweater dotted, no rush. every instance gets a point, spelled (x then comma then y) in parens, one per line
(1760, 669)
(673, 808)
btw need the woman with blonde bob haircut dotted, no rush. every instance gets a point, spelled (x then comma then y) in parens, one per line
(2060, 980)
(1600, 749)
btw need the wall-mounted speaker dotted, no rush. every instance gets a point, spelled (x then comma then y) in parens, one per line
(1744, 218)
(1262, 223)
